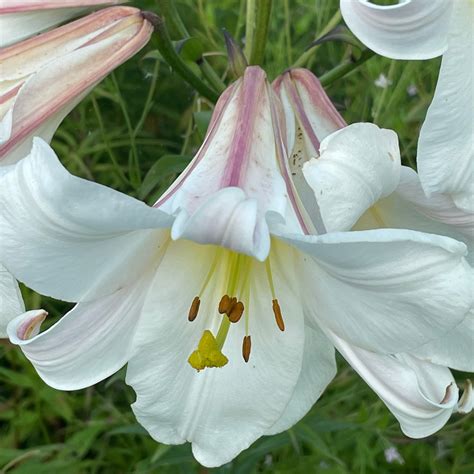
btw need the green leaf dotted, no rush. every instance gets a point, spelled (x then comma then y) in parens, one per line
(166, 165)
(190, 49)
(202, 120)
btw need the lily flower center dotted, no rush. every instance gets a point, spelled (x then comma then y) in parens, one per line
(235, 272)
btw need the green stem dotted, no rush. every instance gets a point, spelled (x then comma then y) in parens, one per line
(262, 20)
(289, 54)
(170, 13)
(166, 48)
(345, 68)
(306, 56)
(211, 75)
(249, 27)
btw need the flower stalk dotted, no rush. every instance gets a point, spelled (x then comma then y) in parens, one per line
(167, 50)
(256, 51)
(345, 68)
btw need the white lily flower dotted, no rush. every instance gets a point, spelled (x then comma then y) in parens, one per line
(221, 318)
(423, 29)
(356, 180)
(43, 78)
(20, 19)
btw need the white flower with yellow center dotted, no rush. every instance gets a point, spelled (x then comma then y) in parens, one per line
(219, 296)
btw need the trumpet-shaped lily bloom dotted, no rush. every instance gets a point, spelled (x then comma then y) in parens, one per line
(20, 19)
(221, 316)
(425, 29)
(353, 174)
(43, 78)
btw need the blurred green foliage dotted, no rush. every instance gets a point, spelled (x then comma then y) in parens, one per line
(135, 132)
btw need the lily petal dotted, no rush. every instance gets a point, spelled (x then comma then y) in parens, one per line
(445, 148)
(11, 302)
(239, 153)
(388, 291)
(307, 106)
(21, 19)
(93, 240)
(43, 78)
(357, 166)
(235, 223)
(318, 369)
(228, 407)
(409, 208)
(422, 396)
(88, 344)
(455, 349)
(409, 30)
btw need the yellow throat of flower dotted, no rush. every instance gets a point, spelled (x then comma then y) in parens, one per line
(236, 271)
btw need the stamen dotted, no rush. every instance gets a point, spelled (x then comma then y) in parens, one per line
(194, 309)
(236, 312)
(278, 316)
(226, 304)
(208, 353)
(246, 346)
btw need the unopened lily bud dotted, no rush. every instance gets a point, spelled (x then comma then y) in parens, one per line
(20, 19)
(237, 59)
(43, 78)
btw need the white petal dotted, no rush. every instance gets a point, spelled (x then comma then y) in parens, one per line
(318, 369)
(307, 106)
(357, 166)
(19, 26)
(70, 238)
(455, 349)
(445, 148)
(88, 344)
(11, 302)
(309, 118)
(239, 152)
(413, 29)
(409, 208)
(221, 411)
(466, 402)
(22, 19)
(422, 396)
(235, 224)
(386, 290)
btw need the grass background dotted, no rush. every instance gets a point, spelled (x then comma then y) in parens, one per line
(135, 132)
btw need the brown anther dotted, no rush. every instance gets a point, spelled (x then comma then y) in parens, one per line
(246, 346)
(193, 311)
(225, 304)
(236, 312)
(278, 316)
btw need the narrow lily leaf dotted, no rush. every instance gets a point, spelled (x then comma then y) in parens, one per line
(165, 166)
(43, 78)
(202, 120)
(339, 33)
(190, 49)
